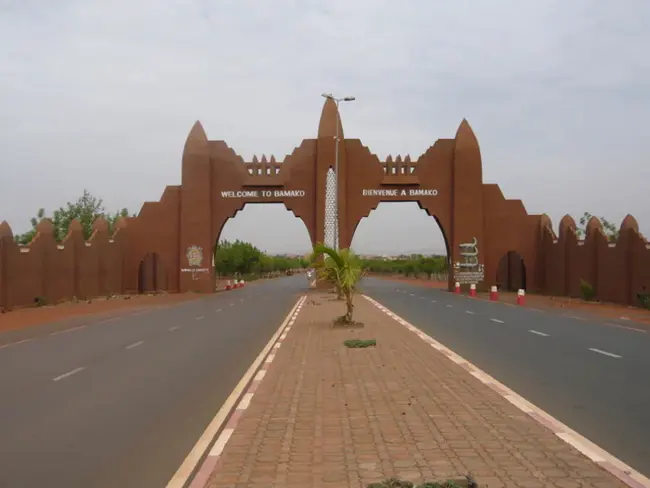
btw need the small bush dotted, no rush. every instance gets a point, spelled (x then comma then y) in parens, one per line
(397, 483)
(359, 343)
(40, 301)
(587, 291)
(644, 300)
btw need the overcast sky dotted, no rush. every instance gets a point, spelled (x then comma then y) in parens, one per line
(101, 94)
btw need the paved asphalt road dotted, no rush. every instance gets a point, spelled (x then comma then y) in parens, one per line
(593, 377)
(121, 403)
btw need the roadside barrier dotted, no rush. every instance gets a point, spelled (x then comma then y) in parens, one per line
(521, 297)
(457, 288)
(494, 294)
(472, 290)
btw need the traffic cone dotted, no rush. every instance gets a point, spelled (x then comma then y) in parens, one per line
(521, 297)
(228, 285)
(457, 288)
(241, 283)
(472, 290)
(494, 294)
(236, 285)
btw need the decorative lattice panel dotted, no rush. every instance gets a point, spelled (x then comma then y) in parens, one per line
(331, 224)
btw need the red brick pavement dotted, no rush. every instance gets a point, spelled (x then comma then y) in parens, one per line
(325, 415)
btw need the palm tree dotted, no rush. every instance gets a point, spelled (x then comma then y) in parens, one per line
(341, 268)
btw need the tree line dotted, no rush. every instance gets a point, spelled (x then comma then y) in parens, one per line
(244, 259)
(413, 265)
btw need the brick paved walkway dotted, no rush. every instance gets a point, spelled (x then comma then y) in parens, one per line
(325, 415)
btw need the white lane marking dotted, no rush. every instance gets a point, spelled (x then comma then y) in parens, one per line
(179, 480)
(232, 304)
(200, 317)
(245, 401)
(619, 326)
(497, 321)
(411, 294)
(218, 310)
(15, 343)
(605, 353)
(65, 331)
(223, 439)
(574, 317)
(538, 333)
(433, 301)
(135, 344)
(69, 373)
(172, 329)
(449, 306)
(241, 301)
(469, 312)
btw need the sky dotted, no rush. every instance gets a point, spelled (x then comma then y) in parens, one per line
(101, 95)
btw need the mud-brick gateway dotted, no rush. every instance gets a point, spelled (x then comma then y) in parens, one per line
(490, 239)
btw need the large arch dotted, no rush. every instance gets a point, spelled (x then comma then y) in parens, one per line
(446, 181)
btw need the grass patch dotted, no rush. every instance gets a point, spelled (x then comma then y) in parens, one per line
(360, 343)
(397, 483)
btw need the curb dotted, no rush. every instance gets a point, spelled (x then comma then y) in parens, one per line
(602, 458)
(211, 461)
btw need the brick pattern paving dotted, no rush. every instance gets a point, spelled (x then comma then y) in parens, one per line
(326, 415)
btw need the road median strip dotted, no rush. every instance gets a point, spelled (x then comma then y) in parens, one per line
(354, 416)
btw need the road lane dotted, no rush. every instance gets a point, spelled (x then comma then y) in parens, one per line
(128, 417)
(605, 397)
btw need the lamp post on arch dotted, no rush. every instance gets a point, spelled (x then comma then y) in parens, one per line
(337, 138)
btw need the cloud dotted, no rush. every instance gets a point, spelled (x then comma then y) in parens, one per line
(102, 95)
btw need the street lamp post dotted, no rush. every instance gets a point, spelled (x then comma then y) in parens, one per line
(336, 160)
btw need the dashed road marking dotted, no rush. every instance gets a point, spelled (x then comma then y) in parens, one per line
(574, 317)
(433, 301)
(218, 310)
(135, 344)
(65, 331)
(543, 334)
(200, 317)
(176, 327)
(612, 324)
(69, 373)
(15, 343)
(232, 304)
(449, 306)
(497, 321)
(469, 312)
(605, 353)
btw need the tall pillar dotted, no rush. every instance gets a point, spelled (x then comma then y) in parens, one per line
(196, 239)
(467, 206)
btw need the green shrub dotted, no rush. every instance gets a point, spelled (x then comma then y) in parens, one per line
(587, 291)
(359, 343)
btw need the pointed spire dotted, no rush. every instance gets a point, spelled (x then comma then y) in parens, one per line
(407, 158)
(264, 161)
(197, 141)
(389, 159)
(328, 120)
(5, 229)
(465, 135)
(273, 159)
(398, 159)
(629, 222)
(255, 160)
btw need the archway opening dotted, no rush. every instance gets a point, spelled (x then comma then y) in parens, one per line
(152, 275)
(400, 240)
(261, 240)
(511, 272)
